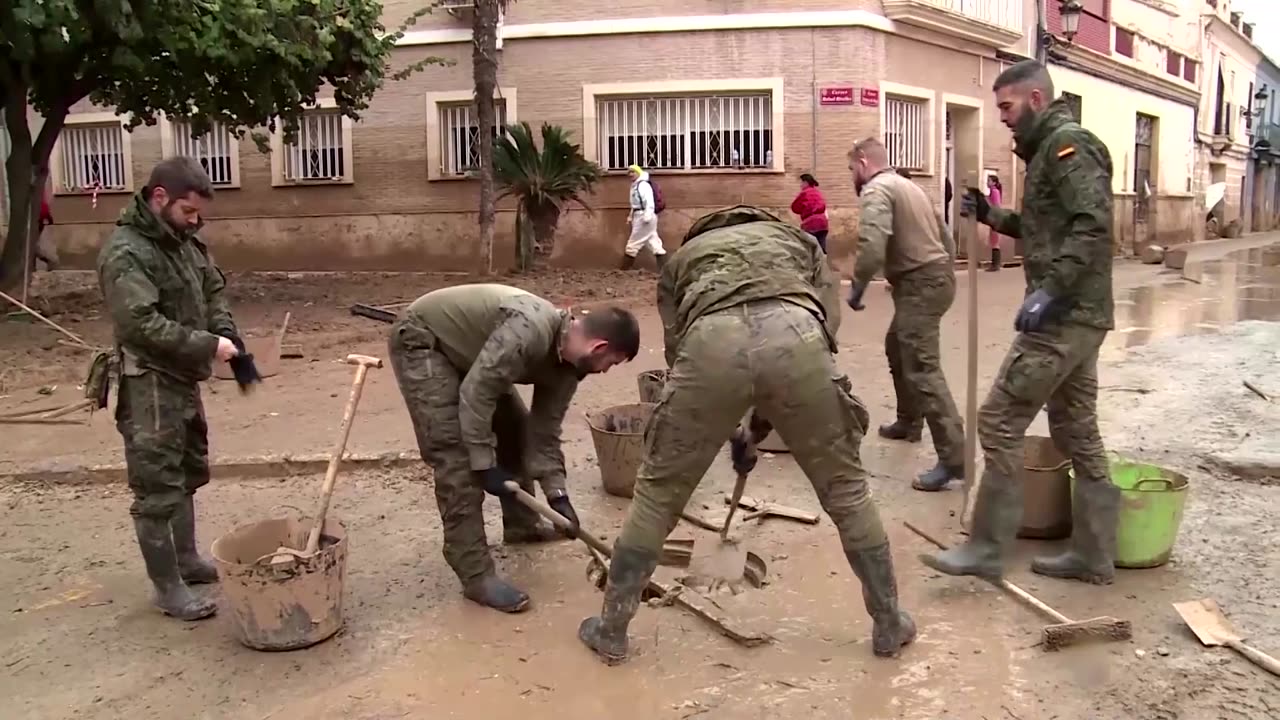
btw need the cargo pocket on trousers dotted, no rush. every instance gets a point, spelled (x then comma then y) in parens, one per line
(1029, 377)
(857, 411)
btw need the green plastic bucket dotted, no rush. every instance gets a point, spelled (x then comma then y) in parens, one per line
(1152, 500)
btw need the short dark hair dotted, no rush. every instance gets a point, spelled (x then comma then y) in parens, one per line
(1028, 72)
(615, 326)
(809, 180)
(180, 176)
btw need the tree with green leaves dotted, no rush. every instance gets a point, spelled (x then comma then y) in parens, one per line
(484, 69)
(543, 181)
(243, 63)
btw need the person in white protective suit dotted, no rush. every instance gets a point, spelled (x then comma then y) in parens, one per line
(644, 221)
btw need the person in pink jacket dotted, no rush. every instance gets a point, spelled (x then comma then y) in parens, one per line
(995, 196)
(812, 209)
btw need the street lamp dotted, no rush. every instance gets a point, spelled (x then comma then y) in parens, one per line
(1069, 11)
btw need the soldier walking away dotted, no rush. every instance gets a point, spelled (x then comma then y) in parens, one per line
(458, 354)
(646, 203)
(900, 231)
(750, 311)
(171, 322)
(1065, 225)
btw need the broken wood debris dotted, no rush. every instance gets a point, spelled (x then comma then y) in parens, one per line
(382, 313)
(761, 511)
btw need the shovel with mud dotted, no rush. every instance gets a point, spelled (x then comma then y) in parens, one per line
(722, 566)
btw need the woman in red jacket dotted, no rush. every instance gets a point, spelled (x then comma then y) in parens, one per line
(812, 209)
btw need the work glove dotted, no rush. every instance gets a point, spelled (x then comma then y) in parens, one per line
(855, 296)
(742, 451)
(1034, 311)
(564, 507)
(974, 204)
(495, 480)
(242, 365)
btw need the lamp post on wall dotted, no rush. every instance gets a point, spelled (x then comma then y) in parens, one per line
(1069, 12)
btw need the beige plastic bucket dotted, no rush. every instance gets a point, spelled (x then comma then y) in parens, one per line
(618, 434)
(1046, 490)
(286, 608)
(650, 383)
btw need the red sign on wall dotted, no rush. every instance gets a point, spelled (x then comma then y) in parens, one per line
(870, 97)
(835, 96)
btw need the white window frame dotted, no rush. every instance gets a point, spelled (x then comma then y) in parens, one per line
(437, 103)
(278, 149)
(171, 128)
(593, 94)
(99, 119)
(928, 128)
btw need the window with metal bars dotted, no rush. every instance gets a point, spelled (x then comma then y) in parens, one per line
(317, 153)
(460, 136)
(92, 157)
(698, 132)
(905, 132)
(215, 150)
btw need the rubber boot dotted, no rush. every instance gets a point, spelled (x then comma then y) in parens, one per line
(661, 260)
(494, 592)
(892, 628)
(995, 260)
(901, 430)
(522, 526)
(938, 478)
(628, 262)
(1090, 557)
(193, 568)
(629, 572)
(994, 525)
(173, 597)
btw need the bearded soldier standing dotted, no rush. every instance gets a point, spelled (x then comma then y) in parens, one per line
(750, 312)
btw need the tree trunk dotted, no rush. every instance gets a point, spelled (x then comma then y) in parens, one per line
(27, 173)
(484, 60)
(524, 239)
(544, 224)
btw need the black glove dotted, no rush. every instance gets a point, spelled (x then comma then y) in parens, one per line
(1034, 311)
(242, 365)
(855, 296)
(742, 451)
(495, 481)
(564, 507)
(974, 204)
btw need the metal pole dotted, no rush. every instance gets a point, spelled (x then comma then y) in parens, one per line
(1042, 28)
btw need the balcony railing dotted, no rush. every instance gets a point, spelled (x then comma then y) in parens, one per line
(997, 23)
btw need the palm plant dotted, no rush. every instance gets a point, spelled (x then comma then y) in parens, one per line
(543, 180)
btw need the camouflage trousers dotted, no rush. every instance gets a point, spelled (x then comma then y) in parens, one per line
(912, 346)
(166, 441)
(1056, 370)
(772, 355)
(430, 385)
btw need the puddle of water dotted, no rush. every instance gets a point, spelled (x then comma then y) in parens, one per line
(1243, 285)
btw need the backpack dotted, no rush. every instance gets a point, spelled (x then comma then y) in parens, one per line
(659, 203)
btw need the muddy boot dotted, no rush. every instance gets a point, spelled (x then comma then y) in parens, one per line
(994, 524)
(901, 430)
(492, 591)
(193, 568)
(1091, 555)
(628, 262)
(892, 627)
(173, 597)
(994, 266)
(628, 574)
(661, 260)
(937, 478)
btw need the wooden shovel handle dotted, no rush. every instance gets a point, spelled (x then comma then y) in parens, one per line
(1257, 657)
(362, 363)
(556, 518)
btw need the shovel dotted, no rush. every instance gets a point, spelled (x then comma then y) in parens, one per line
(724, 565)
(1206, 620)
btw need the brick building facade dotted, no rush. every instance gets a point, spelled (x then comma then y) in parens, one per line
(728, 102)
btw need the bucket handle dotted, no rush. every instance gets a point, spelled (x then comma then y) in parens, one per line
(1167, 483)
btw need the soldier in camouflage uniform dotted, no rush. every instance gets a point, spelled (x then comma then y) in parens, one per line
(164, 295)
(1065, 225)
(750, 312)
(457, 354)
(900, 231)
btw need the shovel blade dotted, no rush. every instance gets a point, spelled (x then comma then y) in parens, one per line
(1206, 620)
(719, 561)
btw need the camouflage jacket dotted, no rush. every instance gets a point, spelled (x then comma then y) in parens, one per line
(499, 336)
(740, 255)
(1066, 218)
(899, 230)
(164, 295)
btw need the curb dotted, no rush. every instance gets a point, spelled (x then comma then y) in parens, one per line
(236, 469)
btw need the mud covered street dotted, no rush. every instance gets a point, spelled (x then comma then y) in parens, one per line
(79, 639)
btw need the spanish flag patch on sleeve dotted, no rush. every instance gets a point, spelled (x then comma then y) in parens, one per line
(1066, 152)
